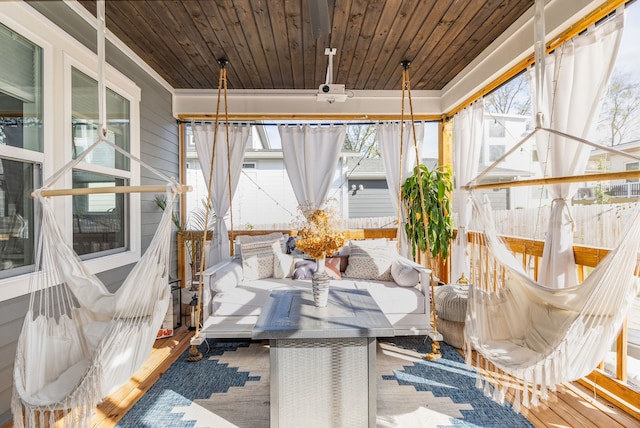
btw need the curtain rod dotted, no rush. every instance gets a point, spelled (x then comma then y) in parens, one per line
(244, 122)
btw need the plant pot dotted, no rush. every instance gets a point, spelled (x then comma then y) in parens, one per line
(320, 284)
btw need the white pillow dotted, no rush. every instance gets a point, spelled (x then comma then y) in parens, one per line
(257, 260)
(371, 261)
(403, 274)
(283, 263)
(270, 237)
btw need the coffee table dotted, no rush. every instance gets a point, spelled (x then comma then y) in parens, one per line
(322, 360)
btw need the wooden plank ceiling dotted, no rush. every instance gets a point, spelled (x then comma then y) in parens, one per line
(270, 44)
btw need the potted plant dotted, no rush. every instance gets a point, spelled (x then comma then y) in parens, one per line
(429, 224)
(431, 234)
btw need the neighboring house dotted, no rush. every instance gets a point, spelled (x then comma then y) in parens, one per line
(501, 133)
(615, 190)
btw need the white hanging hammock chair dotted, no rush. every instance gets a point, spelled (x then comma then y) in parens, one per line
(79, 342)
(545, 336)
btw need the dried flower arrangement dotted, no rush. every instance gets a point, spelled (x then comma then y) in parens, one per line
(317, 234)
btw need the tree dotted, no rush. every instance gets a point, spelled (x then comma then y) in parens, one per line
(362, 139)
(513, 97)
(620, 114)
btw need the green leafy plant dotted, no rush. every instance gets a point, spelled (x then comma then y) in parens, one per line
(437, 185)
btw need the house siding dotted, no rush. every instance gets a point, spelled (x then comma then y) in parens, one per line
(373, 200)
(159, 148)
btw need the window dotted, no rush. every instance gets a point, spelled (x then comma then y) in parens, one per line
(495, 151)
(632, 166)
(496, 128)
(21, 136)
(99, 220)
(85, 123)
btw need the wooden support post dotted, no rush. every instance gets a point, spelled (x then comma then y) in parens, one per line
(445, 158)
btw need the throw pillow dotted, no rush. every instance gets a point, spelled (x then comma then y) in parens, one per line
(257, 260)
(282, 263)
(332, 265)
(368, 261)
(403, 274)
(270, 237)
(304, 269)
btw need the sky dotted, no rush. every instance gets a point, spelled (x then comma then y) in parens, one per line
(629, 54)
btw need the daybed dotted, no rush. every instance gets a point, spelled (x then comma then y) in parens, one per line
(234, 291)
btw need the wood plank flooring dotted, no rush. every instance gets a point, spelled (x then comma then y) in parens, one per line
(572, 406)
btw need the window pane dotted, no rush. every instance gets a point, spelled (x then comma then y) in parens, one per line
(99, 220)
(85, 122)
(16, 215)
(20, 92)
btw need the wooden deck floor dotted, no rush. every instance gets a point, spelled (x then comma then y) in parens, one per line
(572, 406)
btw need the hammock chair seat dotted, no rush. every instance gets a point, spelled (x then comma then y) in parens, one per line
(80, 342)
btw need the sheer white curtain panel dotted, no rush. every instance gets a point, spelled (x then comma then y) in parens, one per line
(311, 156)
(388, 142)
(227, 164)
(575, 79)
(468, 126)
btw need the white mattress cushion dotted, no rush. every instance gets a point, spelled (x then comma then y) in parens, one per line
(249, 297)
(393, 299)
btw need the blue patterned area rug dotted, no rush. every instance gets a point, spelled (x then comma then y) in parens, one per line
(229, 387)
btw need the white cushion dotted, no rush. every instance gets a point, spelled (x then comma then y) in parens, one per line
(370, 261)
(393, 299)
(64, 384)
(227, 277)
(451, 302)
(245, 239)
(249, 297)
(403, 274)
(258, 255)
(282, 263)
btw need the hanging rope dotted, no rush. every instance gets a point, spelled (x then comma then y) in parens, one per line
(406, 86)
(223, 63)
(195, 354)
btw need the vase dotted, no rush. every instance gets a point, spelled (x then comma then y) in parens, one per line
(320, 284)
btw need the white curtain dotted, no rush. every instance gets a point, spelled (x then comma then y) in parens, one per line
(575, 79)
(468, 128)
(226, 165)
(310, 157)
(388, 142)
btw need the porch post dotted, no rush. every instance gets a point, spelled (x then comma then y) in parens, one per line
(445, 157)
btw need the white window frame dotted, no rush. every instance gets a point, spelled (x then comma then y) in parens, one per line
(60, 51)
(120, 84)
